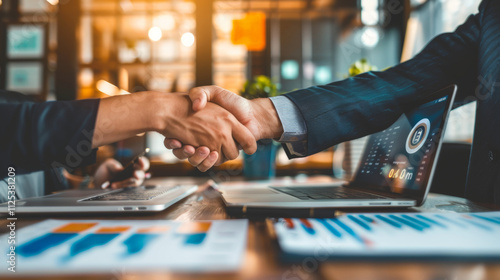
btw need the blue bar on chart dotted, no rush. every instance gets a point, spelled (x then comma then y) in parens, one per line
(349, 230)
(406, 222)
(430, 220)
(388, 221)
(330, 228)
(53, 239)
(194, 232)
(359, 222)
(136, 242)
(101, 237)
(307, 226)
(487, 219)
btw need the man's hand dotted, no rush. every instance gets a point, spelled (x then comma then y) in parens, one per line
(213, 128)
(258, 115)
(108, 169)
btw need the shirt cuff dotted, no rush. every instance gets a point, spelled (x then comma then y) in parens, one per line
(294, 127)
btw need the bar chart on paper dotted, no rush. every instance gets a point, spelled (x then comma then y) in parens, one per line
(78, 246)
(412, 235)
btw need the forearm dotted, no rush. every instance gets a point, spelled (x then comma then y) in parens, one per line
(123, 117)
(370, 102)
(267, 118)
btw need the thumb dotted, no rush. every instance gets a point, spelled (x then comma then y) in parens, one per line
(113, 166)
(235, 104)
(199, 96)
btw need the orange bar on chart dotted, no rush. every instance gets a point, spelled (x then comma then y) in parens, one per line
(117, 229)
(194, 227)
(153, 229)
(74, 227)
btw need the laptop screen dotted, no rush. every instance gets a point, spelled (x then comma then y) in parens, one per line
(400, 159)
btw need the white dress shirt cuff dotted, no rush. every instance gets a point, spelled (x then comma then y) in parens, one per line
(294, 127)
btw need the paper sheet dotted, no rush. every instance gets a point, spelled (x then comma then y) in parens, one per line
(451, 235)
(62, 246)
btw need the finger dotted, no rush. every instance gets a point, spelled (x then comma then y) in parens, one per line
(113, 165)
(188, 150)
(220, 160)
(244, 138)
(142, 164)
(179, 153)
(208, 162)
(200, 155)
(139, 176)
(184, 152)
(229, 149)
(172, 143)
(105, 185)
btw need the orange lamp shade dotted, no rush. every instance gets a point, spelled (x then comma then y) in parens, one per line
(250, 31)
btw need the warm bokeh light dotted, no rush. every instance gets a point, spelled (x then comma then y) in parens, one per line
(107, 88)
(155, 33)
(164, 21)
(187, 39)
(86, 77)
(51, 2)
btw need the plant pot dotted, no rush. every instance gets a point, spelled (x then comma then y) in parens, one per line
(262, 164)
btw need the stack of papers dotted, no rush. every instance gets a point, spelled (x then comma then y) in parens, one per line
(54, 246)
(415, 235)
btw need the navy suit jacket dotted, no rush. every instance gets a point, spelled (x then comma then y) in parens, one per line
(468, 57)
(38, 136)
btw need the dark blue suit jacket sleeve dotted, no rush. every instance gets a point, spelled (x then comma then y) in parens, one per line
(37, 136)
(370, 102)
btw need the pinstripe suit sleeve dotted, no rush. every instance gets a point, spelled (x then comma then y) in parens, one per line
(372, 101)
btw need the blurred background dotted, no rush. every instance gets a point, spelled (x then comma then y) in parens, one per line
(78, 49)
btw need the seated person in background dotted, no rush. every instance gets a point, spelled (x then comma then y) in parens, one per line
(42, 138)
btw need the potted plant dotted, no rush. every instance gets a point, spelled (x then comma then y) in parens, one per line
(262, 164)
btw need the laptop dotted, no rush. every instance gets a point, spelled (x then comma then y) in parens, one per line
(395, 170)
(151, 198)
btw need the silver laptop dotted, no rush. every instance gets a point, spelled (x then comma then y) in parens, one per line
(141, 199)
(396, 168)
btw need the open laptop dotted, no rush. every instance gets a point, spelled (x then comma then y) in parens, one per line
(141, 199)
(396, 168)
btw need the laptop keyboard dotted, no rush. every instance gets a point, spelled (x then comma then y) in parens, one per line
(326, 193)
(135, 193)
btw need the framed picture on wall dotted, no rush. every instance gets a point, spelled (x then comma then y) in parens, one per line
(25, 41)
(25, 77)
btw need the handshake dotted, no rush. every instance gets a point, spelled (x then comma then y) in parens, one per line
(217, 124)
(207, 126)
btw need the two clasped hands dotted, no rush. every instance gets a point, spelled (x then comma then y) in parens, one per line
(225, 123)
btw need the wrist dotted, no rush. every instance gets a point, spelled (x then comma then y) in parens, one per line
(167, 107)
(267, 118)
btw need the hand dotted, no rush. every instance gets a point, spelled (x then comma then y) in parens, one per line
(111, 167)
(214, 127)
(258, 115)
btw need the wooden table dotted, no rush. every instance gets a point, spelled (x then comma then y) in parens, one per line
(261, 260)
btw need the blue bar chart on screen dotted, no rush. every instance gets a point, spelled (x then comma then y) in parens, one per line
(64, 246)
(451, 236)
